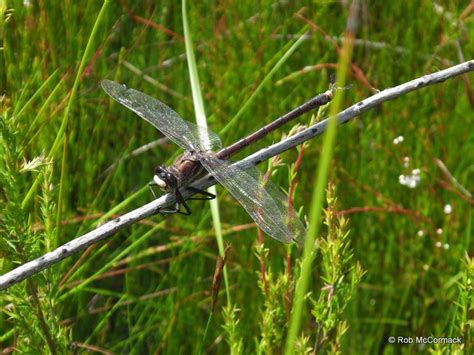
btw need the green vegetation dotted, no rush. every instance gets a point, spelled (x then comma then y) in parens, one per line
(389, 259)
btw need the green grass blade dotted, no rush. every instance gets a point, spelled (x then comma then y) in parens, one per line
(317, 201)
(88, 52)
(265, 81)
(202, 121)
(38, 92)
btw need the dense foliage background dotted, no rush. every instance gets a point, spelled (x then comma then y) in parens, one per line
(392, 260)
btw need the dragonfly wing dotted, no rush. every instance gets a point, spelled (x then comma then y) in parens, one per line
(262, 200)
(185, 134)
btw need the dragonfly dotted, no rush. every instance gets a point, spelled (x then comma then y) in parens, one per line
(203, 151)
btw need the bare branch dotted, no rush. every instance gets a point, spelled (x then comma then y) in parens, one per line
(109, 228)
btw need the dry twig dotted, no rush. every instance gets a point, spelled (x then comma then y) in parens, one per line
(107, 229)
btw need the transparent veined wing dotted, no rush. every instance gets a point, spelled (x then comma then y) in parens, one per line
(185, 134)
(262, 200)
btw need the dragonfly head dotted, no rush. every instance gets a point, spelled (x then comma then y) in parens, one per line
(164, 179)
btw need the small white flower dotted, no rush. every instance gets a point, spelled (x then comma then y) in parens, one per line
(448, 208)
(438, 244)
(410, 181)
(415, 172)
(446, 246)
(398, 140)
(439, 231)
(421, 233)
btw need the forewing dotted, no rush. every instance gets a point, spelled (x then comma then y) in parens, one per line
(263, 201)
(185, 134)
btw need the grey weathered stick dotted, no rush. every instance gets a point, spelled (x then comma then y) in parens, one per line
(109, 228)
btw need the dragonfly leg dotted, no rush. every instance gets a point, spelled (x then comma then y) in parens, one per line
(179, 202)
(150, 186)
(158, 210)
(207, 194)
